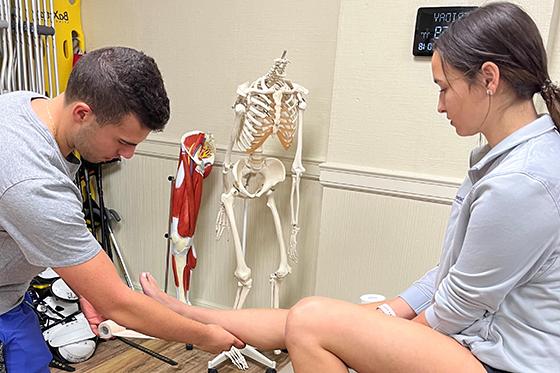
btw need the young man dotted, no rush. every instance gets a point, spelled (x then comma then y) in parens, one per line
(115, 97)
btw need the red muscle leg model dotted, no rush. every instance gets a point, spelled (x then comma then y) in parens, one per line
(195, 163)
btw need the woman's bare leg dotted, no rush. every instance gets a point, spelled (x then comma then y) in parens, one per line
(262, 328)
(326, 335)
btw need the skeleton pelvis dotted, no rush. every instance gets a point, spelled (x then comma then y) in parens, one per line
(253, 183)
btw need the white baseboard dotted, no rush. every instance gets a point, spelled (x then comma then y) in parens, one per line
(206, 304)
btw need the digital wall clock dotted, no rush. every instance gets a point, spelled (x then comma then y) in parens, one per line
(431, 23)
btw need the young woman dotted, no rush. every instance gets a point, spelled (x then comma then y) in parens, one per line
(493, 302)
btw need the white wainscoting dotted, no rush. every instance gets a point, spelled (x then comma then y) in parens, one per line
(380, 229)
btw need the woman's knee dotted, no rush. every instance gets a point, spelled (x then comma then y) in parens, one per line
(306, 319)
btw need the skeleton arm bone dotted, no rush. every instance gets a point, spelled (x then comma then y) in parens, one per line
(297, 171)
(239, 114)
(221, 219)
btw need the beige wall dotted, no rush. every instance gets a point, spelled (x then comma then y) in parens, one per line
(382, 165)
(205, 49)
(384, 98)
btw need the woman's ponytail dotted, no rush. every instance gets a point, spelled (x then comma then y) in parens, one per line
(550, 92)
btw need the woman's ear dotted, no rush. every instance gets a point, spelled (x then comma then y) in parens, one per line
(490, 73)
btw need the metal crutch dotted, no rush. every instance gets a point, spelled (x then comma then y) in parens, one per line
(20, 47)
(110, 215)
(30, 64)
(3, 35)
(55, 58)
(17, 47)
(37, 49)
(10, 55)
(48, 50)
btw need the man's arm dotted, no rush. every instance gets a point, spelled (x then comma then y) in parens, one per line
(97, 281)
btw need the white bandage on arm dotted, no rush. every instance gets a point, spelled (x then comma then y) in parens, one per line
(387, 310)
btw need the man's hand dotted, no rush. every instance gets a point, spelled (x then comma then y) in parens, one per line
(217, 339)
(93, 317)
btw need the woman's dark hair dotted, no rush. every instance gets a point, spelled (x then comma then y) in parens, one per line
(504, 34)
(118, 81)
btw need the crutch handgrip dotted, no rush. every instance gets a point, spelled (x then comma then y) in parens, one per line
(45, 30)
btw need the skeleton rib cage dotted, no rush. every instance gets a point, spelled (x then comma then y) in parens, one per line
(271, 107)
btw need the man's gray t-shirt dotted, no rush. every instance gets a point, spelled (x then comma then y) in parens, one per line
(41, 219)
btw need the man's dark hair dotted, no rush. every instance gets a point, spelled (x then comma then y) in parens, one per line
(118, 81)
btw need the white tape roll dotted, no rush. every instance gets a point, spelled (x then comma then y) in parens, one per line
(109, 329)
(371, 298)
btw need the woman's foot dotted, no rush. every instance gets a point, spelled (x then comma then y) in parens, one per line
(151, 288)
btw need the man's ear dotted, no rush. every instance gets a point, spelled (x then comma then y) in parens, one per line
(490, 73)
(81, 112)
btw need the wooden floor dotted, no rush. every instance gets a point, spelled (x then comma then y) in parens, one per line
(115, 356)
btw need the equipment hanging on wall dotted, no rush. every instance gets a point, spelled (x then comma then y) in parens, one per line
(196, 158)
(28, 47)
(271, 105)
(99, 218)
(40, 41)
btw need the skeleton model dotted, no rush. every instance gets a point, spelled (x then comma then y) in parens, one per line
(195, 163)
(271, 105)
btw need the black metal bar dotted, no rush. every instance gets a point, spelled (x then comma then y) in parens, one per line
(146, 350)
(89, 200)
(168, 234)
(102, 213)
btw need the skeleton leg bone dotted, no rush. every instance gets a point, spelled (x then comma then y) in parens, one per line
(242, 272)
(294, 202)
(283, 267)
